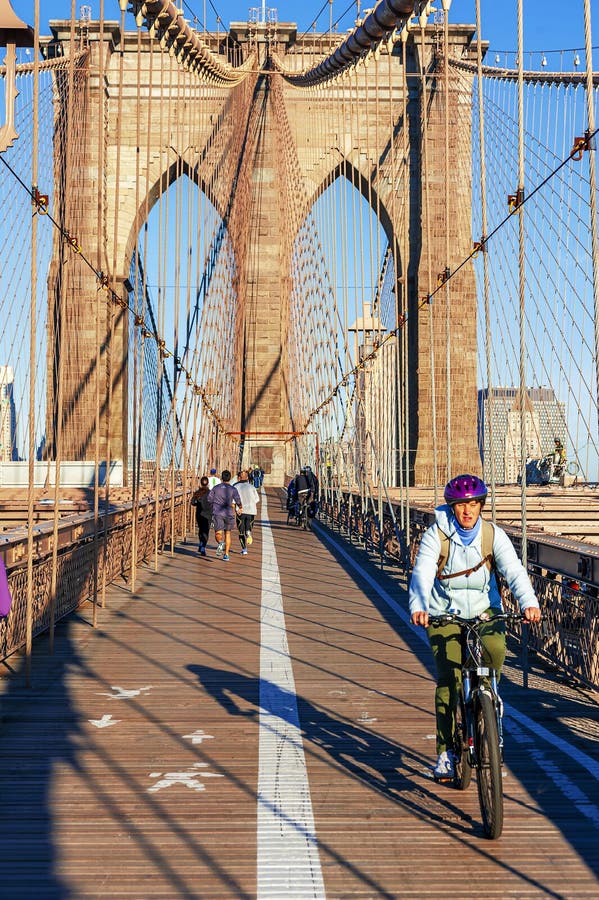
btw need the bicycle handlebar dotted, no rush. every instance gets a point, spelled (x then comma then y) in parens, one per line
(454, 619)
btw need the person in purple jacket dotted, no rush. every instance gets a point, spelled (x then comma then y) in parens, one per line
(226, 504)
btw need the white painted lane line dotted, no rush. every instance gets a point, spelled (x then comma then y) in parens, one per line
(288, 862)
(584, 760)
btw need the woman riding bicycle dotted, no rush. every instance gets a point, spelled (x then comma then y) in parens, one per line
(453, 575)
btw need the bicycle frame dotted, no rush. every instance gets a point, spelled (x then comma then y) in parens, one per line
(472, 674)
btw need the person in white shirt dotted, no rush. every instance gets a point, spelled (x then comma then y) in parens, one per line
(213, 479)
(245, 521)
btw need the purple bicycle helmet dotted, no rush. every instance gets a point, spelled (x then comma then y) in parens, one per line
(464, 488)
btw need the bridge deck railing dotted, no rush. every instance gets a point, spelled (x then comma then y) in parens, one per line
(568, 635)
(90, 554)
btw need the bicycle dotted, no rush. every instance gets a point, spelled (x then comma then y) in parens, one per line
(478, 734)
(303, 519)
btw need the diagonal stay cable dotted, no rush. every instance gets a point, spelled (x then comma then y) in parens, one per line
(579, 147)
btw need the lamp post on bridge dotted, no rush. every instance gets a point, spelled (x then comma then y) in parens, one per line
(13, 34)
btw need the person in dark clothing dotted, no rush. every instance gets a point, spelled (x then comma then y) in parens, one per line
(226, 504)
(301, 485)
(312, 481)
(203, 513)
(304, 488)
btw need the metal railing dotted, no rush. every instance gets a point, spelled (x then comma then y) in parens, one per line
(568, 635)
(88, 558)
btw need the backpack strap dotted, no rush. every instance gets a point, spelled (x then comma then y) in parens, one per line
(488, 535)
(444, 552)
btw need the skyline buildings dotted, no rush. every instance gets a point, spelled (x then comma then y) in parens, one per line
(8, 417)
(499, 428)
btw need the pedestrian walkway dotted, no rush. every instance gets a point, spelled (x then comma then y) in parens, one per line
(264, 728)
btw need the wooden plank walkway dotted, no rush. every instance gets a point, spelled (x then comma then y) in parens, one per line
(202, 743)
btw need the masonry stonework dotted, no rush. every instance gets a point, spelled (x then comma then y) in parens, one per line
(333, 138)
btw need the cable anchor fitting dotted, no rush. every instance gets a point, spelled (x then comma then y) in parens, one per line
(479, 247)
(443, 276)
(515, 200)
(72, 241)
(40, 201)
(118, 301)
(102, 281)
(580, 145)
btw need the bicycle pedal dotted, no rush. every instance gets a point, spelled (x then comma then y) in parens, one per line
(444, 779)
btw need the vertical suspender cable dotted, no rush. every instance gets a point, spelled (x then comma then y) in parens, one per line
(405, 265)
(141, 420)
(592, 179)
(426, 176)
(377, 363)
(446, 6)
(522, 279)
(348, 357)
(396, 467)
(188, 445)
(64, 276)
(136, 361)
(32, 352)
(111, 311)
(486, 287)
(159, 355)
(176, 301)
(98, 308)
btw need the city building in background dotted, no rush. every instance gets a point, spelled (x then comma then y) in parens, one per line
(499, 428)
(8, 416)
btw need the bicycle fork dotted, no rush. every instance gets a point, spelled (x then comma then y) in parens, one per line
(469, 698)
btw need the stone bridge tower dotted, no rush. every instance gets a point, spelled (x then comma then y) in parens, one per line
(238, 134)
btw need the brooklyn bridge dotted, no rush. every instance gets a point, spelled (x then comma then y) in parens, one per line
(374, 252)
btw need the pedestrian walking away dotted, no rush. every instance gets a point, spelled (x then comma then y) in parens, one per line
(213, 479)
(454, 573)
(225, 502)
(203, 510)
(245, 520)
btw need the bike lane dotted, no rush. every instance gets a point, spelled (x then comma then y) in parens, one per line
(365, 699)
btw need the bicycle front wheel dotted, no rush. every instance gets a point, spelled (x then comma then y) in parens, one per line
(489, 780)
(463, 769)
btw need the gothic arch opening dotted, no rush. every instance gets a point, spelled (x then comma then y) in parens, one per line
(183, 285)
(344, 308)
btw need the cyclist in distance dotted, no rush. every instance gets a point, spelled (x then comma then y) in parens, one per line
(304, 485)
(454, 573)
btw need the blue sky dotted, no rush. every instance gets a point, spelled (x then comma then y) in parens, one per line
(548, 24)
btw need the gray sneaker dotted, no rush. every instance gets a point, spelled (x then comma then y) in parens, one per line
(220, 549)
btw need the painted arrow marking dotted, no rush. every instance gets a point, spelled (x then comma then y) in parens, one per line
(198, 736)
(187, 779)
(123, 693)
(104, 722)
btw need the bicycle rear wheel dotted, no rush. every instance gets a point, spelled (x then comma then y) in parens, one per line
(463, 769)
(488, 758)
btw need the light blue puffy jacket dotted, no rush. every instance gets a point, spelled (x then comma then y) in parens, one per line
(466, 595)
